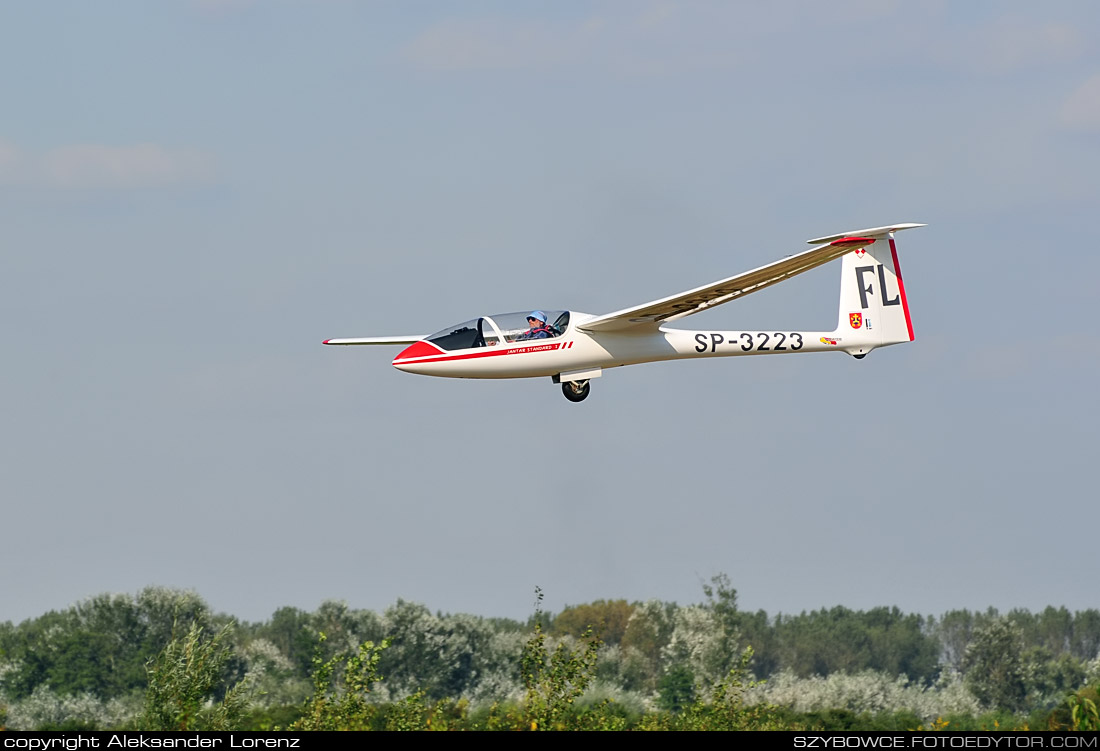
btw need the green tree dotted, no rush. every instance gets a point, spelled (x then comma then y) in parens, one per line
(184, 681)
(954, 630)
(994, 666)
(1085, 643)
(1084, 715)
(1055, 630)
(1052, 676)
(676, 689)
(724, 710)
(842, 640)
(722, 601)
(758, 632)
(291, 630)
(99, 646)
(607, 618)
(1077, 712)
(341, 689)
(901, 644)
(554, 681)
(647, 634)
(446, 656)
(699, 642)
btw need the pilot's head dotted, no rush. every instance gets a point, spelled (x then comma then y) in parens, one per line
(535, 318)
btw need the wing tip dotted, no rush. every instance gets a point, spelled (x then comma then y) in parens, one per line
(872, 232)
(846, 241)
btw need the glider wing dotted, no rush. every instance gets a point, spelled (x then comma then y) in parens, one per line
(378, 340)
(652, 314)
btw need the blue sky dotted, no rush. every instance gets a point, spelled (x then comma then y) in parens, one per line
(194, 195)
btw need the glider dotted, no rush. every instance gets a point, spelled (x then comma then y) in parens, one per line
(572, 347)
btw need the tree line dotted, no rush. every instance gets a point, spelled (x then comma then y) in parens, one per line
(94, 659)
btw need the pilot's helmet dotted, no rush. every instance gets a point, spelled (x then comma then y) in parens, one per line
(538, 315)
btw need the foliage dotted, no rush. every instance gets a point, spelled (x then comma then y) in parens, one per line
(408, 714)
(414, 713)
(446, 656)
(86, 666)
(1054, 630)
(865, 694)
(722, 601)
(268, 718)
(272, 676)
(46, 710)
(342, 702)
(841, 640)
(726, 709)
(99, 646)
(994, 666)
(625, 668)
(647, 632)
(607, 618)
(676, 689)
(847, 720)
(185, 677)
(1077, 712)
(954, 630)
(758, 632)
(1083, 713)
(1049, 678)
(554, 681)
(293, 633)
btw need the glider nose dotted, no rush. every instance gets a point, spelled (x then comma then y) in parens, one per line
(410, 354)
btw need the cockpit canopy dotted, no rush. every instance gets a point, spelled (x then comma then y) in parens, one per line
(503, 328)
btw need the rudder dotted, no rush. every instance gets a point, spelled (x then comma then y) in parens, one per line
(874, 310)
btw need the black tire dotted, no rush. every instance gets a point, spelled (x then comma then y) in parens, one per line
(575, 391)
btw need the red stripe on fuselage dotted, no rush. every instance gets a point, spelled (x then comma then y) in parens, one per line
(901, 288)
(464, 355)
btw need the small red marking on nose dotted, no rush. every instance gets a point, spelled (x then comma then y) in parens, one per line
(420, 349)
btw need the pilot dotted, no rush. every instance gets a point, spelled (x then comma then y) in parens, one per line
(536, 320)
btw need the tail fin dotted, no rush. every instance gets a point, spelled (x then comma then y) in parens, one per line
(874, 311)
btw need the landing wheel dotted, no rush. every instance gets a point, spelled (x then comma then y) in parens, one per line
(575, 391)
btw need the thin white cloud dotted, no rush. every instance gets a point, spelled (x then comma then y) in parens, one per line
(1082, 109)
(8, 154)
(1008, 45)
(10, 162)
(95, 166)
(658, 36)
(13, 164)
(1077, 351)
(995, 362)
(222, 7)
(1011, 45)
(653, 37)
(496, 44)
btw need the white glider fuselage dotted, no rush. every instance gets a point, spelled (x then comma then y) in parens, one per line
(576, 350)
(573, 348)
